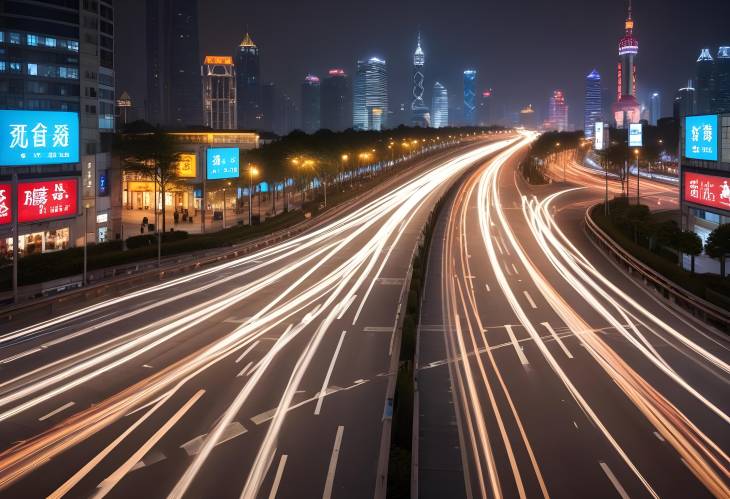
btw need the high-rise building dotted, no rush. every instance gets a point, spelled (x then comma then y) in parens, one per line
(626, 110)
(655, 108)
(370, 101)
(336, 110)
(440, 106)
(470, 97)
(285, 119)
(311, 104)
(219, 92)
(419, 111)
(248, 85)
(722, 80)
(593, 104)
(268, 107)
(684, 102)
(528, 118)
(557, 112)
(174, 95)
(484, 108)
(705, 83)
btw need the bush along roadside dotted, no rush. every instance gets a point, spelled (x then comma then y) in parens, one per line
(401, 437)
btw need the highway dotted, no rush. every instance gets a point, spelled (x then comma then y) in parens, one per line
(264, 376)
(544, 371)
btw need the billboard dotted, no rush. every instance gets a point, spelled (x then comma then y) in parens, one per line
(598, 144)
(707, 190)
(187, 165)
(222, 162)
(103, 184)
(47, 199)
(38, 138)
(6, 215)
(635, 135)
(700, 137)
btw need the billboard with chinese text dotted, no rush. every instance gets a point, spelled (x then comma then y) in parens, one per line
(222, 163)
(187, 165)
(40, 200)
(707, 190)
(38, 138)
(635, 135)
(6, 215)
(598, 143)
(700, 137)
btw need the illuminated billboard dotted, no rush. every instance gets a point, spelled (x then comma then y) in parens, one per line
(38, 138)
(707, 190)
(47, 199)
(187, 165)
(599, 145)
(6, 215)
(222, 163)
(635, 136)
(700, 137)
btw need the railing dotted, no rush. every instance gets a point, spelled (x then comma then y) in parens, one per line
(697, 306)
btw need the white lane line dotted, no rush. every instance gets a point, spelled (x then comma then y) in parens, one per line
(253, 345)
(499, 246)
(53, 413)
(378, 329)
(575, 424)
(234, 429)
(488, 288)
(346, 306)
(255, 366)
(529, 299)
(243, 371)
(658, 436)
(326, 381)
(506, 270)
(20, 355)
(333, 464)
(277, 478)
(109, 482)
(147, 366)
(557, 339)
(517, 346)
(514, 267)
(619, 488)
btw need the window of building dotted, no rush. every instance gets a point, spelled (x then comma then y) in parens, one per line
(50, 42)
(32, 40)
(2, 37)
(90, 109)
(90, 92)
(15, 38)
(73, 45)
(15, 67)
(33, 69)
(3, 67)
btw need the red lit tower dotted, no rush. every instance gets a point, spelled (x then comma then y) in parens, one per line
(627, 110)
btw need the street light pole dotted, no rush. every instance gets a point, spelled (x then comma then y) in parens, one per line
(16, 238)
(86, 239)
(250, 196)
(638, 175)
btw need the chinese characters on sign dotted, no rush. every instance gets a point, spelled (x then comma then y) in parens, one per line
(635, 135)
(43, 200)
(38, 137)
(222, 163)
(700, 137)
(186, 166)
(5, 200)
(707, 190)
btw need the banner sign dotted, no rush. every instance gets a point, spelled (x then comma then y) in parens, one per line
(38, 138)
(635, 135)
(47, 199)
(707, 190)
(186, 165)
(700, 137)
(6, 215)
(222, 163)
(598, 137)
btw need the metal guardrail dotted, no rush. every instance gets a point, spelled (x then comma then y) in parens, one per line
(697, 306)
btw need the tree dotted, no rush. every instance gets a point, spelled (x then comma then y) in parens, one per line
(153, 154)
(636, 216)
(718, 245)
(665, 234)
(690, 244)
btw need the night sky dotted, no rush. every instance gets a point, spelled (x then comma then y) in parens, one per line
(523, 49)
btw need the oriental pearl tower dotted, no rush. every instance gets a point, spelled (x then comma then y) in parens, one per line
(626, 109)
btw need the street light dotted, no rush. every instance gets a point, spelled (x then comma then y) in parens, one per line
(86, 239)
(252, 170)
(638, 175)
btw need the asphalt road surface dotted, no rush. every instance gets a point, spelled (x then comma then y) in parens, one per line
(545, 371)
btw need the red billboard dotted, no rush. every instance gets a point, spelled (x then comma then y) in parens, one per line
(47, 199)
(6, 215)
(707, 190)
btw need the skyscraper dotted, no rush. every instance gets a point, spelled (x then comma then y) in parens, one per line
(705, 83)
(470, 96)
(311, 104)
(268, 107)
(593, 103)
(419, 111)
(440, 106)
(370, 102)
(219, 92)
(655, 107)
(684, 102)
(484, 108)
(248, 85)
(336, 112)
(626, 110)
(558, 112)
(722, 80)
(528, 118)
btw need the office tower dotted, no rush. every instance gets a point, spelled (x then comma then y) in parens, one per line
(593, 104)
(705, 83)
(470, 95)
(722, 80)
(419, 111)
(655, 108)
(311, 104)
(558, 112)
(440, 106)
(248, 85)
(370, 102)
(684, 102)
(219, 92)
(626, 109)
(285, 119)
(484, 108)
(174, 94)
(528, 118)
(336, 112)
(268, 107)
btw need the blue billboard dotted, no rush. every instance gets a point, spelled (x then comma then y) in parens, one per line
(222, 163)
(700, 137)
(635, 135)
(38, 138)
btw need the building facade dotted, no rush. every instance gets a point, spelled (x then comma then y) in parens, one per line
(311, 104)
(336, 108)
(248, 85)
(626, 109)
(655, 108)
(684, 102)
(440, 106)
(705, 83)
(370, 96)
(485, 108)
(419, 110)
(219, 92)
(557, 112)
(593, 104)
(722, 80)
(528, 118)
(470, 97)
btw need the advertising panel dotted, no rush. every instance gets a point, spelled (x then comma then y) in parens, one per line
(707, 190)
(6, 215)
(222, 163)
(38, 138)
(700, 137)
(187, 165)
(141, 186)
(635, 135)
(598, 144)
(103, 185)
(47, 199)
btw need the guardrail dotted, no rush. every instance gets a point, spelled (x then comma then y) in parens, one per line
(692, 303)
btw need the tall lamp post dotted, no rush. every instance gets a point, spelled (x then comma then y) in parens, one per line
(638, 174)
(252, 170)
(86, 240)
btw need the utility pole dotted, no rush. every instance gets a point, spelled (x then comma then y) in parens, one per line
(16, 239)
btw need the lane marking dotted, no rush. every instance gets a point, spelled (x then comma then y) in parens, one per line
(333, 464)
(253, 345)
(20, 355)
(517, 346)
(488, 288)
(378, 329)
(147, 366)
(346, 306)
(658, 436)
(243, 371)
(617, 485)
(277, 478)
(233, 320)
(557, 339)
(326, 381)
(529, 299)
(53, 413)
(234, 429)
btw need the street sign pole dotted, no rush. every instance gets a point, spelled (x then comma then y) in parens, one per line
(16, 240)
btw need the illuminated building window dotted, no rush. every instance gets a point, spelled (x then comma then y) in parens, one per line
(15, 38)
(32, 40)
(33, 69)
